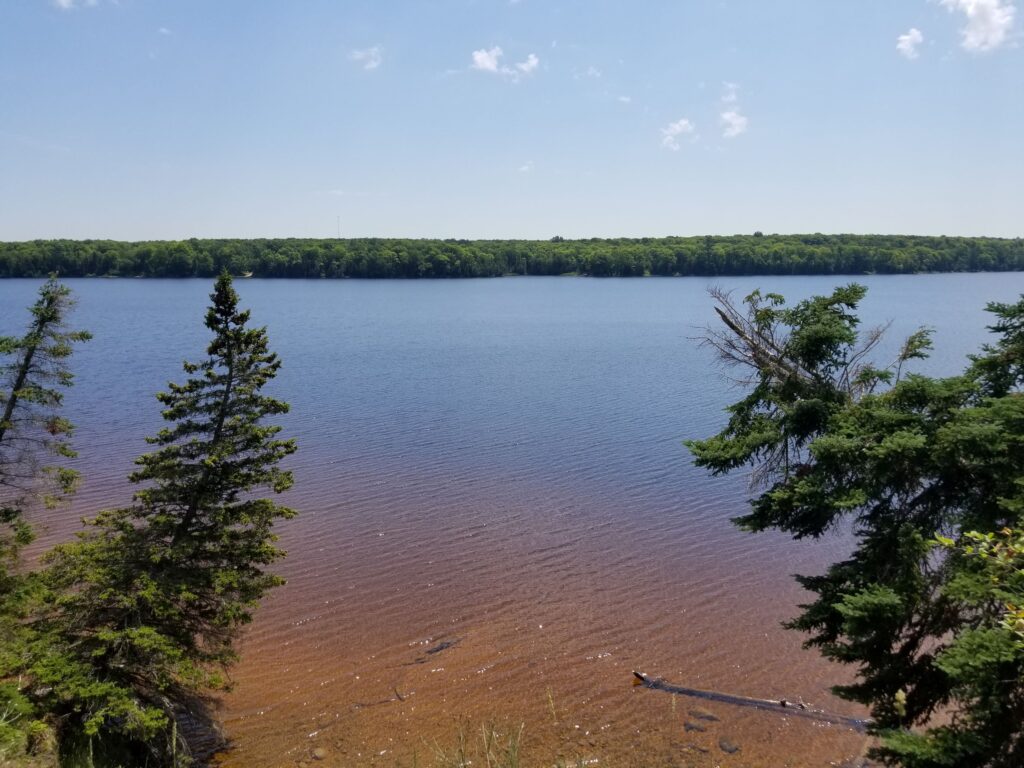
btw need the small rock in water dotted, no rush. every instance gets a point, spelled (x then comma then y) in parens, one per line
(703, 714)
(730, 748)
(319, 753)
(689, 725)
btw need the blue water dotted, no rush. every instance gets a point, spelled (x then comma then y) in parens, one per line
(581, 381)
(491, 454)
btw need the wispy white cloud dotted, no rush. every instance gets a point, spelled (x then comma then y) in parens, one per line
(370, 58)
(625, 99)
(164, 31)
(988, 22)
(67, 5)
(486, 60)
(735, 123)
(32, 143)
(489, 60)
(531, 63)
(353, 193)
(526, 167)
(907, 44)
(671, 133)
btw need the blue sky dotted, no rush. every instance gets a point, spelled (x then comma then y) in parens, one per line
(162, 119)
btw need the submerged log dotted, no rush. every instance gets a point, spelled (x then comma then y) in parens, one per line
(796, 709)
(444, 645)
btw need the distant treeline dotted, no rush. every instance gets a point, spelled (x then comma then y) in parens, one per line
(382, 257)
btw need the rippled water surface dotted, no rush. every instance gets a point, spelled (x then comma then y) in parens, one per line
(498, 519)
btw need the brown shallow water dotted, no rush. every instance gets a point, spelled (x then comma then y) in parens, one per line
(544, 631)
(492, 470)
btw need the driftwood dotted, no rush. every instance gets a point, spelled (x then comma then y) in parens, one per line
(364, 704)
(796, 709)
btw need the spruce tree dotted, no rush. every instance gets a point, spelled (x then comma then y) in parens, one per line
(32, 377)
(32, 433)
(909, 463)
(149, 602)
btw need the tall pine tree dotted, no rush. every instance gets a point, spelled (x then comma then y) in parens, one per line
(33, 373)
(149, 603)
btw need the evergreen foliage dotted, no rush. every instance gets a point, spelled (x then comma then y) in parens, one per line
(33, 373)
(902, 459)
(147, 605)
(758, 254)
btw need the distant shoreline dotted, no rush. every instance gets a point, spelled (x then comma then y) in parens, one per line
(377, 258)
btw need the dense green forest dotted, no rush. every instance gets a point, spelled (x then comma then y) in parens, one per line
(755, 254)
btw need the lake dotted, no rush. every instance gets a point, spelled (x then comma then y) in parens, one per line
(498, 521)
